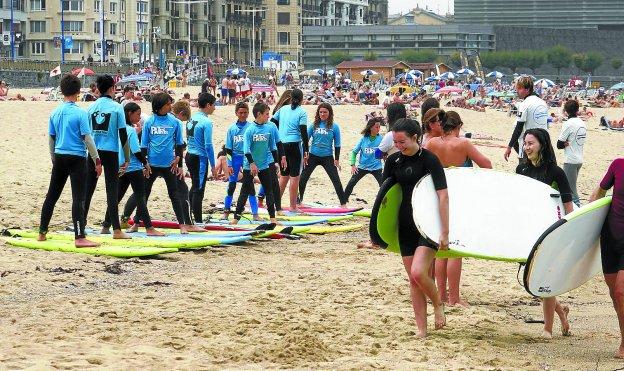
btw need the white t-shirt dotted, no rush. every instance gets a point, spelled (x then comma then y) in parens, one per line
(574, 132)
(533, 112)
(244, 83)
(387, 144)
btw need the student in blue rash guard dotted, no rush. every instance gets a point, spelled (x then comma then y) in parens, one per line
(324, 134)
(277, 197)
(69, 133)
(292, 122)
(369, 163)
(258, 141)
(162, 135)
(200, 151)
(134, 175)
(108, 124)
(235, 155)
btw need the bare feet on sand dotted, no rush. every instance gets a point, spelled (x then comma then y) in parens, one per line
(195, 228)
(154, 232)
(367, 245)
(440, 317)
(132, 229)
(620, 353)
(565, 325)
(83, 242)
(183, 229)
(460, 302)
(105, 230)
(118, 234)
(257, 218)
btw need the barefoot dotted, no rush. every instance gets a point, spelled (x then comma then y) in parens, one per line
(440, 317)
(273, 221)
(183, 229)
(234, 221)
(280, 212)
(226, 215)
(105, 230)
(460, 302)
(83, 242)
(620, 353)
(195, 228)
(153, 232)
(421, 334)
(546, 334)
(133, 229)
(41, 237)
(565, 325)
(257, 218)
(118, 234)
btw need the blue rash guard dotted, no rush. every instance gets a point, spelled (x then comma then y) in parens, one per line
(107, 117)
(199, 137)
(366, 148)
(160, 136)
(289, 122)
(234, 139)
(259, 140)
(324, 140)
(276, 135)
(135, 146)
(68, 123)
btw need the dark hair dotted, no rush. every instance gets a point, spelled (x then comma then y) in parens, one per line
(284, 100)
(104, 82)
(330, 119)
(70, 85)
(259, 108)
(546, 152)
(571, 107)
(240, 105)
(437, 113)
(451, 121)
(204, 99)
(128, 88)
(159, 100)
(394, 112)
(222, 152)
(428, 104)
(296, 98)
(408, 126)
(130, 108)
(369, 125)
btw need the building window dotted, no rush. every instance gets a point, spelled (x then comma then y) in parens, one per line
(122, 6)
(96, 27)
(283, 38)
(223, 10)
(113, 8)
(205, 31)
(113, 29)
(73, 26)
(96, 5)
(223, 32)
(37, 5)
(283, 2)
(37, 26)
(37, 48)
(142, 7)
(283, 18)
(205, 8)
(77, 47)
(73, 5)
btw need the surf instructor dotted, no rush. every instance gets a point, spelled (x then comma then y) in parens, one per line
(407, 167)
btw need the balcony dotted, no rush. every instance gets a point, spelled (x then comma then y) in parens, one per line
(175, 13)
(194, 15)
(156, 11)
(194, 38)
(244, 19)
(175, 35)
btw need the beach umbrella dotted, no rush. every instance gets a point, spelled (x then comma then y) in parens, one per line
(465, 71)
(495, 74)
(309, 73)
(320, 71)
(228, 71)
(80, 72)
(330, 72)
(238, 71)
(403, 88)
(618, 86)
(447, 76)
(544, 83)
(368, 73)
(432, 78)
(415, 72)
(449, 89)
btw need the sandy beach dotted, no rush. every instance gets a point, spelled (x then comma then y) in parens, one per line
(316, 303)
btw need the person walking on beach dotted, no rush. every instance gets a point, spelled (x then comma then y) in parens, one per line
(108, 123)
(532, 113)
(324, 135)
(224, 90)
(453, 151)
(572, 140)
(612, 241)
(541, 165)
(406, 168)
(69, 132)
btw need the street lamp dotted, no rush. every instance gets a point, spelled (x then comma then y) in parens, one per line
(253, 27)
(189, 3)
(62, 33)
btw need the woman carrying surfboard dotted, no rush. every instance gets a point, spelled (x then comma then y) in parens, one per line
(406, 168)
(542, 166)
(612, 241)
(453, 151)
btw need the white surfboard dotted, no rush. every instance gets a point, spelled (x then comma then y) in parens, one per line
(568, 254)
(492, 215)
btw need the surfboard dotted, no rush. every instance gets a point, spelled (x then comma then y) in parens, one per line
(295, 218)
(492, 214)
(282, 222)
(567, 254)
(366, 213)
(384, 222)
(324, 229)
(68, 246)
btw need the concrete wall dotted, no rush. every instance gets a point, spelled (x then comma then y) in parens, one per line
(33, 79)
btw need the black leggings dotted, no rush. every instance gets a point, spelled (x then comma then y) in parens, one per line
(196, 194)
(74, 167)
(247, 189)
(327, 162)
(110, 163)
(355, 178)
(137, 181)
(277, 196)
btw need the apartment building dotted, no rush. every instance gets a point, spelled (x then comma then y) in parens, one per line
(19, 16)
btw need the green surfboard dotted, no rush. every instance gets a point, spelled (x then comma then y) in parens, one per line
(366, 213)
(68, 246)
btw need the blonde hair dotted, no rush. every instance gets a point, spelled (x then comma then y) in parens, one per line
(181, 107)
(525, 82)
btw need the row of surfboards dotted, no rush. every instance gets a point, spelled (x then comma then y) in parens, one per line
(506, 217)
(218, 232)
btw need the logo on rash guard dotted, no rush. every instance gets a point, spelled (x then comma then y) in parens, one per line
(322, 131)
(158, 130)
(260, 138)
(100, 121)
(369, 151)
(238, 138)
(190, 128)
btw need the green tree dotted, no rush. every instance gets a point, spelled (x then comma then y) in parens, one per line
(616, 63)
(370, 56)
(579, 60)
(454, 60)
(593, 60)
(336, 57)
(418, 56)
(523, 58)
(490, 60)
(538, 58)
(559, 57)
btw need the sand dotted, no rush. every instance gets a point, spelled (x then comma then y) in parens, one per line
(317, 303)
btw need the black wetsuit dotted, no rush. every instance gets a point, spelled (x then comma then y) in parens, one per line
(549, 174)
(407, 171)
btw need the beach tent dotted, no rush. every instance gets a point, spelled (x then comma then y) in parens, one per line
(447, 76)
(135, 78)
(495, 74)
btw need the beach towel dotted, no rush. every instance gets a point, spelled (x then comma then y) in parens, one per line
(605, 124)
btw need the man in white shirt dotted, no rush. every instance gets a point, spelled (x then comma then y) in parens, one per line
(532, 114)
(244, 85)
(572, 141)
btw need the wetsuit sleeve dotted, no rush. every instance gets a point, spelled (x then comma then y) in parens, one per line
(275, 118)
(560, 144)
(388, 168)
(337, 153)
(249, 158)
(562, 184)
(141, 157)
(355, 151)
(280, 149)
(88, 140)
(275, 158)
(513, 142)
(304, 138)
(52, 144)
(608, 180)
(208, 145)
(436, 170)
(179, 152)
(228, 151)
(352, 158)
